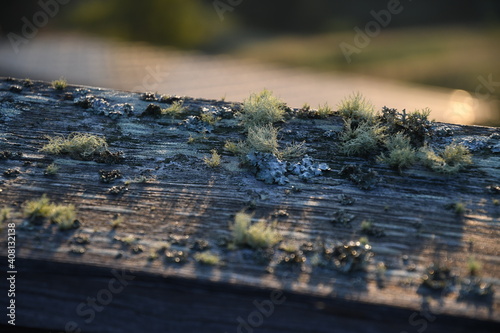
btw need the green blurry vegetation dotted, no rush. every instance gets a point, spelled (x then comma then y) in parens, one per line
(185, 24)
(452, 57)
(38, 210)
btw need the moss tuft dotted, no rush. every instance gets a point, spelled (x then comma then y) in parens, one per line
(63, 215)
(356, 108)
(213, 161)
(258, 235)
(261, 109)
(400, 153)
(207, 258)
(78, 145)
(263, 138)
(362, 140)
(174, 110)
(452, 159)
(60, 84)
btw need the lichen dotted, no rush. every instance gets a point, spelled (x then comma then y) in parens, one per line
(270, 169)
(349, 257)
(261, 109)
(365, 178)
(260, 234)
(103, 107)
(36, 211)
(452, 159)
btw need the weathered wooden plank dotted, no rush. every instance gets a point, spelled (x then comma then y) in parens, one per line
(186, 203)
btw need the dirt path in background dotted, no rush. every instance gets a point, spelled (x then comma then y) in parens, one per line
(140, 67)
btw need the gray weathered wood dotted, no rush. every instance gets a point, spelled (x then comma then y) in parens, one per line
(188, 202)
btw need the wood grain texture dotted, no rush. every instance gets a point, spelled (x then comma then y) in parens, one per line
(186, 203)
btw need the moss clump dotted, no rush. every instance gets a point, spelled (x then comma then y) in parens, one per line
(261, 109)
(60, 84)
(324, 111)
(4, 215)
(362, 139)
(51, 169)
(453, 158)
(78, 145)
(400, 153)
(209, 118)
(356, 108)
(473, 266)
(174, 110)
(263, 139)
(415, 125)
(214, 160)
(38, 210)
(207, 258)
(258, 235)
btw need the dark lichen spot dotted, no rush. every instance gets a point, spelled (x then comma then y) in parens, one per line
(349, 257)
(152, 110)
(170, 99)
(109, 176)
(494, 189)
(68, 96)
(108, 157)
(200, 245)
(148, 97)
(342, 217)
(414, 125)
(5, 155)
(474, 288)
(115, 190)
(176, 256)
(346, 200)
(15, 89)
(438, 277)
(11, 173)
(295, 257)
(136, 249)
(365, 178)
(370, 229)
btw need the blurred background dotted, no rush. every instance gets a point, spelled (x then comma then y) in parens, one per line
(404, 54)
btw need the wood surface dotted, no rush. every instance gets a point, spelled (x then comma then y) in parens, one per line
(186, 203)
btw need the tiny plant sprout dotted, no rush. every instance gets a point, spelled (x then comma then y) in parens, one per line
(324, 111)
(60, 84)
(207, 258)
(174, 110)
(366, 226)
(473, 266)
(214, 161)
(51, 169)
(459, 208)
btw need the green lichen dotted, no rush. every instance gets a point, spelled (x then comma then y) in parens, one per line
(38, 210)
(261, 234)
(261, 109)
